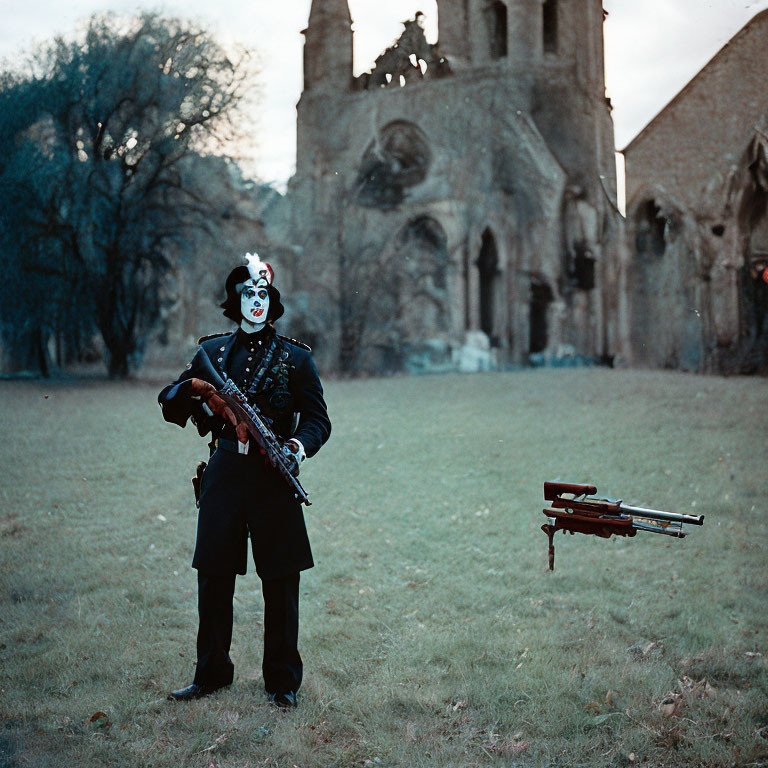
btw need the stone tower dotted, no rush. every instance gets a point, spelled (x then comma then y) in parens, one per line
(476, 173)
(328, 46)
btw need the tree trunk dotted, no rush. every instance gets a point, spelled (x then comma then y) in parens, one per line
(118, 362)
(348, 351)
(42, 353)
(120, 346)
(349, 336)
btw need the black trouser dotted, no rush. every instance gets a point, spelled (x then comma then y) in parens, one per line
(281, 666)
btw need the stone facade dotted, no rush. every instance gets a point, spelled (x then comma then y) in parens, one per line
(697, 219)
(458, 192)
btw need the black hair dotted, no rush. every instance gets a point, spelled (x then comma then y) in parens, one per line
(231, 305)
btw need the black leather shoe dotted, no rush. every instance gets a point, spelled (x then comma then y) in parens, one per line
(193, 691)
(282, 700)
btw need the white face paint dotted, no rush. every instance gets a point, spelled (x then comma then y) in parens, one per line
(254, 306)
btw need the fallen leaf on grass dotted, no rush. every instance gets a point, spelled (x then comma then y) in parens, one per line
(216, 744)
(504, 746)
(98, 720)
(645, 650)
(648, 648)
(671, 704)
(459, 705)
(698, 689)
(594, 706)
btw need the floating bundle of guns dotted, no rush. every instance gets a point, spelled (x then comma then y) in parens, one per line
(576, 509)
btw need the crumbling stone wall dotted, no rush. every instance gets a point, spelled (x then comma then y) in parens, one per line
(697, 190)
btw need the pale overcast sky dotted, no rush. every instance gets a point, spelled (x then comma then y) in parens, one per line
(653, 47)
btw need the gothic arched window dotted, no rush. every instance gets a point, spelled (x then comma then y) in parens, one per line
(650, 228)
(549, 26)
(398, 159)
(489, 274)
(421, 283)
(497, 28)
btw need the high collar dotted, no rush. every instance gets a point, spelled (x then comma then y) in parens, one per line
(259, 336)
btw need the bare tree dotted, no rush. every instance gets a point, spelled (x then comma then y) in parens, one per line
(92, 187)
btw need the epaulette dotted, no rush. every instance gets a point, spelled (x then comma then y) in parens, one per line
(295, 342)
(211, 336)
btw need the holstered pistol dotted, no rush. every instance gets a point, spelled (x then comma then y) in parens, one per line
(197, 480)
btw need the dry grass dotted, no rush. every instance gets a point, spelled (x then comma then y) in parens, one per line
(432, 633)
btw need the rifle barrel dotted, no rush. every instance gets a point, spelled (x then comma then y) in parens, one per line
(676, 532)
(666, 517)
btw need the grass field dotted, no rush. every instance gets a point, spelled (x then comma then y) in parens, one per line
(432, 632)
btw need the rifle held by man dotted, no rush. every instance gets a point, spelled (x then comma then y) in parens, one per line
(250, 415)
(576, 509)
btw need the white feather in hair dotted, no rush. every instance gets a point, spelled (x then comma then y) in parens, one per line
(258, 269)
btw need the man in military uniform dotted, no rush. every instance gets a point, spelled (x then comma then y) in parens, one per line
(241, 494)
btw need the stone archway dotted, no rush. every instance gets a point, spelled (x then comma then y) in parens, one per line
(753, 279)
(422, 279)
(663, 289)
(489, 285)
(649, 228)
(497, 21)
(549, 26)
(538, 323)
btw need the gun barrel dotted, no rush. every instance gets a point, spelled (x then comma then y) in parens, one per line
(676, 532)
(665, 517)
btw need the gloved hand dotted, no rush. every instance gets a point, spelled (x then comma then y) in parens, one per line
(293, 450)
(207, 393)
(242, 432)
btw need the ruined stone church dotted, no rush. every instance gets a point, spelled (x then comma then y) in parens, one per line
(455, 207)
(697, 219)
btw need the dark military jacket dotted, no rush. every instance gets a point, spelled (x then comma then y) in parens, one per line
(282, 381)
(244, 495)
